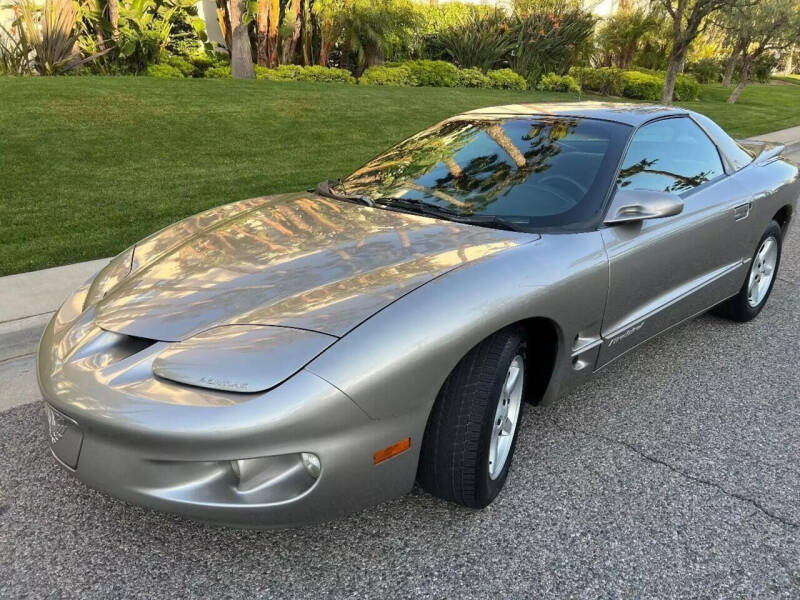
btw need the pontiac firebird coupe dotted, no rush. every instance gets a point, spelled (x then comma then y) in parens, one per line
(286, 359)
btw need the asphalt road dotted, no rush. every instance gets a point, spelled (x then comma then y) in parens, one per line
(675, 472)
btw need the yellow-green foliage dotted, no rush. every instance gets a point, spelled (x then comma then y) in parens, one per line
(558, 83)
(507, 79)
(164, 71)
(309, 73)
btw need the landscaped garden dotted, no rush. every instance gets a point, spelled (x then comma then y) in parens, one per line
(150, 125)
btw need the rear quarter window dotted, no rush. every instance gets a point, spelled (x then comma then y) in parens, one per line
(736, 155)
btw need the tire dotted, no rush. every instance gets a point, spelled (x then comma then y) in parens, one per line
(465, 421)
(745, 305)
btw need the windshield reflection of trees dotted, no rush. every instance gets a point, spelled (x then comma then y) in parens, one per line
(472, 185)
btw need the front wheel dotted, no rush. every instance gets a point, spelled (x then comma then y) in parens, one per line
(472, 431)
(757, 287)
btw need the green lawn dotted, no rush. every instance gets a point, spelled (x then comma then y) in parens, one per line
(89, 164)
(795, 79)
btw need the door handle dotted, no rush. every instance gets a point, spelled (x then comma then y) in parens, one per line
(742, 211)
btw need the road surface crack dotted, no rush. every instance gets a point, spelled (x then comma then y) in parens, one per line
(735, 495)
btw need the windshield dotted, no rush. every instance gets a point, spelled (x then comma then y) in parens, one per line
(537, 172)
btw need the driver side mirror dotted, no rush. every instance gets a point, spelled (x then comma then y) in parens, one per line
(632, 206)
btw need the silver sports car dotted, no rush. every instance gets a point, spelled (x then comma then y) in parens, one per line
(289, 358)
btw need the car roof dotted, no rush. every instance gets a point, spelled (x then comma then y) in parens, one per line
(621, 112)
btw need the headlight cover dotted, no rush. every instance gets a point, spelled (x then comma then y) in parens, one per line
(114, 272)
(240, 358)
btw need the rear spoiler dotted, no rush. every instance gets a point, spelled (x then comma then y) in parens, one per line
(764, 152)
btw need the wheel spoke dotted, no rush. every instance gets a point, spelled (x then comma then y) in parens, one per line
(511, 380)
(751, 286)
(506, 416)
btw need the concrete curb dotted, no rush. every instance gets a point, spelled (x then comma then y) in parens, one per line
(39, 292)
(27, 301)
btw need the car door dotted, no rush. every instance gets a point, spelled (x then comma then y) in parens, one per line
(662, 271)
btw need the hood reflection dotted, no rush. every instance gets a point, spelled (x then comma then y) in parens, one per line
(298, 260)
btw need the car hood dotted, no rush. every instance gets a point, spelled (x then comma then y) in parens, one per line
(297, 260)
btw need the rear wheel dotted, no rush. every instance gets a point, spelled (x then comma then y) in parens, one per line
(761, 277)
(472, 431)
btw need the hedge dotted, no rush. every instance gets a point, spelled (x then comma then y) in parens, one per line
(439, 73)
(553, 82)
(640, 84)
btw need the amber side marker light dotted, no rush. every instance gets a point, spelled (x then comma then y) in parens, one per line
(390, 451)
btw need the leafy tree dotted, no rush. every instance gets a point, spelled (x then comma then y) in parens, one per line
(620, 36)
(330, 16)
(372, 28)
(766, 27)
(689, 19)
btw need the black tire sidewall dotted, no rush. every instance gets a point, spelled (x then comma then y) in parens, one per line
(489, 488)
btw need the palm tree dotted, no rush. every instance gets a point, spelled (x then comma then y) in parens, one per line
(241, 52)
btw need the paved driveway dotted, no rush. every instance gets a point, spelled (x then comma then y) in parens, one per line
(675, 472)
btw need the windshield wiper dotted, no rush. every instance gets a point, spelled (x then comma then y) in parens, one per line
(418, 206)
(325, 188)
(492, 221)
(434, 210)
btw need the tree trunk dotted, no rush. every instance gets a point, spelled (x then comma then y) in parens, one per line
(730, 68)
(224, 20)
(292, 43)
(241, 52)
(671, 76)
(326, 43)
(308, 28)
(274, 36)
(262, 33)
(373, 54)
(500, 138)
(113, 17)
(788, 66)
(745, 76)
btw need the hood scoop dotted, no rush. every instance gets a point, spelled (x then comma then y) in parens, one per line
(240, 358)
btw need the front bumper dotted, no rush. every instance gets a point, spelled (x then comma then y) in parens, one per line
(170, 446)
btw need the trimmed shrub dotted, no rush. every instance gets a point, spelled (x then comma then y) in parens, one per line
(203, 61)
(686, 88)
(473, 78)
(507, 79)
(559, 83)
(298, 73)
(435, 73)
(281, 73)
(218, 72)
(706, 70)
(184, 66)
(383, 75)
(326, 74)
(607, 81)
(164, 71)
(762, 68)
(641, 86)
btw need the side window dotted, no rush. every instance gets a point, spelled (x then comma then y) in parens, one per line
(737, 156)
(671, 155)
